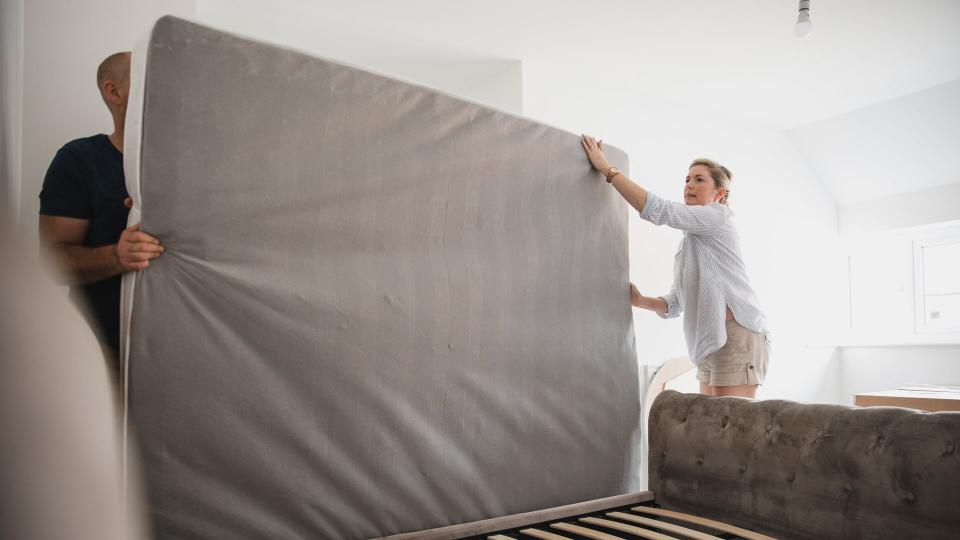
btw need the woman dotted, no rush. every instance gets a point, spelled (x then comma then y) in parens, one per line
(725, 328)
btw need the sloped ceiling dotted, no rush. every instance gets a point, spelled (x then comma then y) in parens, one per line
(910, 143)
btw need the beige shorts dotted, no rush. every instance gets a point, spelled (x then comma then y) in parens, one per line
(742, 360)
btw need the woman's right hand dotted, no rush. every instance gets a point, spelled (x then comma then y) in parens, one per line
(635, 295)
(594, 150)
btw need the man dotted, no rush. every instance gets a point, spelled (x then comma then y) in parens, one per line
(83, 213)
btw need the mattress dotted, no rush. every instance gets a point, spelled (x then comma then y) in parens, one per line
(381, 308)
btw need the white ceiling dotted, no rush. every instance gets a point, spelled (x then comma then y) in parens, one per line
(738, 58)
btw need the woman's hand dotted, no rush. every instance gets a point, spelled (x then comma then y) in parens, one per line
(635, 296)
(594, 150)
(653, 303)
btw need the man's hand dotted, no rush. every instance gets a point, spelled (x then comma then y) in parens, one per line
(136, 249)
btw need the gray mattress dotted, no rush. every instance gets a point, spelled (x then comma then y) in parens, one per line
(381, 309)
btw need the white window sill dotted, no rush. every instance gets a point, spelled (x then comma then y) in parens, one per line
(932, 338)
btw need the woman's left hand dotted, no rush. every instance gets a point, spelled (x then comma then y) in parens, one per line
(594, 150)
(635, 296)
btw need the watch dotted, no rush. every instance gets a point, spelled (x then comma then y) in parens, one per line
(611, 172)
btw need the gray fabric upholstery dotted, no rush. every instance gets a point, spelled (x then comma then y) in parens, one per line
(808, 471)
(381, 309)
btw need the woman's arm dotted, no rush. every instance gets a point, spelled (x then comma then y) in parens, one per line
(652, 303)
(705, 219)
(632, 192)
(695, 218)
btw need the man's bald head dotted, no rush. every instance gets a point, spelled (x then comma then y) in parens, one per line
(114, 69)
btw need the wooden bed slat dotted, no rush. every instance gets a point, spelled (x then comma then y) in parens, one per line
(545, 535)
(583, 531)
(697, 520)
(632, 529)
(663, 525)
(499, 537)
(526, 519)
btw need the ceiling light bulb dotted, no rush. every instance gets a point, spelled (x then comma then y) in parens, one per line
(803, 26)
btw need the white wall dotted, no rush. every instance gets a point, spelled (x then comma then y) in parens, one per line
(881, 289)
(63, 43)
(491, 80)
(786, 217)
(882, 350)
(502, 89)
(11, 105)
(924, 207)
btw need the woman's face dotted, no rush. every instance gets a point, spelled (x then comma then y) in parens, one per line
(700, 189)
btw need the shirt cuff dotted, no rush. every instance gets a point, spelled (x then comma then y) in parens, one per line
(653, 205)
(673, 308)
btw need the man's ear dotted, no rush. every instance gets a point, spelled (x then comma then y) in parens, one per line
(112, 92)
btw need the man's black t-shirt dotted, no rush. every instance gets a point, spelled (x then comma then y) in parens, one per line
(85, 181)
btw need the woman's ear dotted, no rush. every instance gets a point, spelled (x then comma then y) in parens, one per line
(721, 193)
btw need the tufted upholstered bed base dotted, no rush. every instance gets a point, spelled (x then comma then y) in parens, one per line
(772, 469)
(808, 471)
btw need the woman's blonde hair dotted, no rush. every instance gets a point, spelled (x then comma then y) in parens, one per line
(721, 175)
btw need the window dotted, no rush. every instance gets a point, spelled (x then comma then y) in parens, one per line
(937, 276)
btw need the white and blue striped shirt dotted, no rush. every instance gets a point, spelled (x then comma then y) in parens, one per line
(708, 274)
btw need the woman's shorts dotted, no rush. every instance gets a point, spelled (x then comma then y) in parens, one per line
(742, 360)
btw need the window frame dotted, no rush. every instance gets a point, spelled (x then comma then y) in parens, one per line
(919, 291)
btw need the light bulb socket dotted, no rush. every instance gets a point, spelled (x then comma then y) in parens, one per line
(803, 26)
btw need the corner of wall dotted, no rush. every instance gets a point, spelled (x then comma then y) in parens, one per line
(11, 105)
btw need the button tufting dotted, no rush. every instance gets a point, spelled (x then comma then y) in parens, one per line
(950, 448)
(699, 461)
(769, 427)
(820, 434)
(684, 419)
(743, 468)
(911, 497)
(848, 487)
(791, 477)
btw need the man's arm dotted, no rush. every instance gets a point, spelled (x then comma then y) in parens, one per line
(64, 236)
